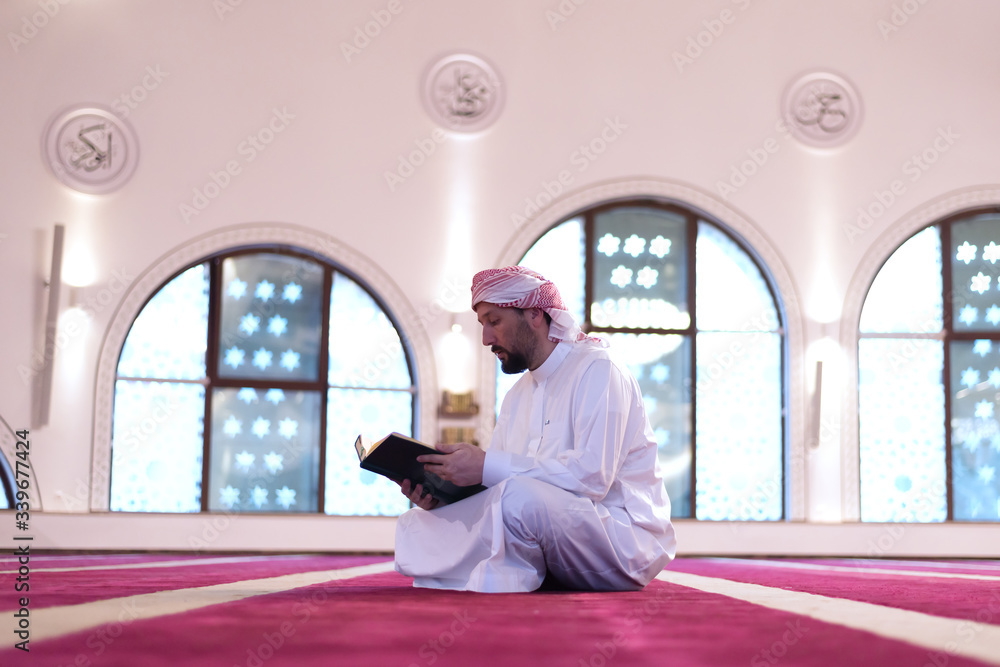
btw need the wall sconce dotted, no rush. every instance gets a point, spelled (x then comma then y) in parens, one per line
(54, 285)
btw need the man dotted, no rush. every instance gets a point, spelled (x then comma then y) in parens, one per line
(573, 487)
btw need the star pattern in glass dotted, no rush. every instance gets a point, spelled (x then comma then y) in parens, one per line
(638, 268)
(908, 442)
(264, 440)
(280, 450)
(975, 430)
(279, 328)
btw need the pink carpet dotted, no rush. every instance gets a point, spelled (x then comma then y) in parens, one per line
(51, 589)
(380, 619)
(954, 598)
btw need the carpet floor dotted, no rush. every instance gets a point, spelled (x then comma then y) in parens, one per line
(305, 611)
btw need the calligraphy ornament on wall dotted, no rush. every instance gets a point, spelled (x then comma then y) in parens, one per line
(822, 109)
(90, 149)
(463, 93)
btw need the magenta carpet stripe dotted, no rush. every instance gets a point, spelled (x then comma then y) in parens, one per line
(50, 589)
(950, 598)
(988, 568)
(381, 620)
(51, 566)
(55, 560)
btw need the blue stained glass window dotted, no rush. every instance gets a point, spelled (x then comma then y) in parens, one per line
(157, 445)
(917, 422)
(640, 269)
(732, 448)
(739, 435)
(975, 275)
(731, 292)
(358, 324)
(374, 414)
(267, 394)
(661, 364)
(272, 308)
(975, 429)
(906, 296)
(901, 421)
(168, 338)
(265, 450)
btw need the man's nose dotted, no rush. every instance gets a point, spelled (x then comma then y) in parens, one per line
(488, 338)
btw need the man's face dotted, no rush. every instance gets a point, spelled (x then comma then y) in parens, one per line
(508, 335)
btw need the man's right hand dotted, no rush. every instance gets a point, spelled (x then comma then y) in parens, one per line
(418, 497)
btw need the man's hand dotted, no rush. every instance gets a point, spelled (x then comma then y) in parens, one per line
(461, 464)
(418, 496)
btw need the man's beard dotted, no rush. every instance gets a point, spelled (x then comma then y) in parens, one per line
(516, 363)
(521, 346)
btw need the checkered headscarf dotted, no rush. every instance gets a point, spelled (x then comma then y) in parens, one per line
(519, 287)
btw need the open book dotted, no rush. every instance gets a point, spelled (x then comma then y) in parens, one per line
(395, 457)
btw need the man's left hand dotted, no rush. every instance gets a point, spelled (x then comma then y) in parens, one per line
(461, 464)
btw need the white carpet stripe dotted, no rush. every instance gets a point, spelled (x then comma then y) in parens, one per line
(948, 636)
(54, 622)
(155, 563)
(851, 568)
(992, 566)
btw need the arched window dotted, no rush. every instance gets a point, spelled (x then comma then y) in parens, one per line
(15, 450)
(686, 307)
(243, 383)
(7, 487)
(929, 376)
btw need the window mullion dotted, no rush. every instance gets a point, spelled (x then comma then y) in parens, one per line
(211, 373)
(324, 378)
(588, 286)
(948, 323)
(692, 242)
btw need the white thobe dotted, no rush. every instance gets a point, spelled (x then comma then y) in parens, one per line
(574, 490)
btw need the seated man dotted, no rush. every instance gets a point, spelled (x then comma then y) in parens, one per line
(573, 486)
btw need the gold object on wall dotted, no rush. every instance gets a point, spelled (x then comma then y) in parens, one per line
(458, 405)
(451, 435)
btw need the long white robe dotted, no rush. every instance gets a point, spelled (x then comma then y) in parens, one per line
(573, 490)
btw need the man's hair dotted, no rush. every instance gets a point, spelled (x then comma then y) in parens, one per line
(548, 318)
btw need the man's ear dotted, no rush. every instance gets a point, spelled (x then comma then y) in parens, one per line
(536, 317)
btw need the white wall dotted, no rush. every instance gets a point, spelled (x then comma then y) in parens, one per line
(224, 73)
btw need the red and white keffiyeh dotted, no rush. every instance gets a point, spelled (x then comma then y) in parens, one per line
(520, 287)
